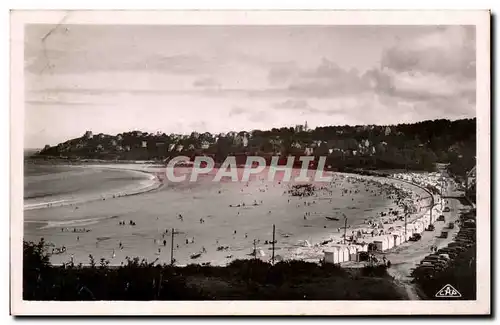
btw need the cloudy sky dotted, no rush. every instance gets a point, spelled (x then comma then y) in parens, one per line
(177, 79)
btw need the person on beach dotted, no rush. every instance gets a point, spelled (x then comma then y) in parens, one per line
(164, 242)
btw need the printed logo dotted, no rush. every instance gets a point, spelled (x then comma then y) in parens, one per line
(448, 292)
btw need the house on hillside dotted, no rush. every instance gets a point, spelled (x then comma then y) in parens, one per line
(144, 144)
(205, 145)
(88, 135)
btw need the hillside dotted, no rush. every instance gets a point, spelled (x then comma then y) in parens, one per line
(415, 146)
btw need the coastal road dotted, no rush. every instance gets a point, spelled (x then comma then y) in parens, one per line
(405, 257)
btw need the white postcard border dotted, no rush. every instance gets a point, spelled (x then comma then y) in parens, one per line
(481, 19)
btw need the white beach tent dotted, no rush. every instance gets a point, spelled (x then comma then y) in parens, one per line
(418, 226)
(362, 247)
(332, 256)
(328, 257)
(353, 251)
(343, 252)
(381, 242)
(390, 241)
(397, 239)
(409, 233)
(410, 227)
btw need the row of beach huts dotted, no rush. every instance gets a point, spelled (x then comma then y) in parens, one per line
(354, 252)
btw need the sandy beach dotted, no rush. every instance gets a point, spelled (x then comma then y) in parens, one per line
(211, 218)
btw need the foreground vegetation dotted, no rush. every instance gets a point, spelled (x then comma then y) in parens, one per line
(241, 280)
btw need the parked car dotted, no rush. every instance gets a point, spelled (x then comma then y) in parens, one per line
(450, 252)
(415, 237)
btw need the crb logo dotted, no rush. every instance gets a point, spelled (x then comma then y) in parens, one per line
(448, 292)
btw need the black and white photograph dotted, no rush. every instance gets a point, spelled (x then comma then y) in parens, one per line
(325, 158)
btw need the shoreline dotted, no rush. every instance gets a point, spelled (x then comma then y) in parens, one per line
(153, 184)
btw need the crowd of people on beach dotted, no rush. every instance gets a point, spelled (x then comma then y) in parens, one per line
(306, 197)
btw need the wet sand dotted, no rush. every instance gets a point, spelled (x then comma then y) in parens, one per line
(52, 186)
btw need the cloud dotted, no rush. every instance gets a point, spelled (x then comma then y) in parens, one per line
(237, 110)
(207, 82)
(282, 73)
(327, 79)
(447, 51)
(292, 104)
(434, 67)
